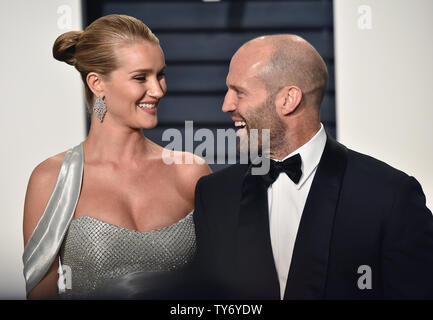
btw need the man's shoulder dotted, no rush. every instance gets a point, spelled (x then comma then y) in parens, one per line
(222, 188)
(359, 166)
(372, 168)
(233, 173)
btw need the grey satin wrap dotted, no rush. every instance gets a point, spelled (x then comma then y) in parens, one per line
(45, 241)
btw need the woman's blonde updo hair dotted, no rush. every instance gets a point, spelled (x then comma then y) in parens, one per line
(92, 50)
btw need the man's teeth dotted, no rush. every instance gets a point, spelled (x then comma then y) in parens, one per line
(147, 105)
(240, 124)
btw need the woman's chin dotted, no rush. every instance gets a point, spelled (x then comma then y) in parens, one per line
(149, 124)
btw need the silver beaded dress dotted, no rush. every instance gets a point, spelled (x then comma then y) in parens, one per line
(105, 261)
(102, 256)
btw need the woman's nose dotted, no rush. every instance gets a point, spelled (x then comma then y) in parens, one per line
(156, 90)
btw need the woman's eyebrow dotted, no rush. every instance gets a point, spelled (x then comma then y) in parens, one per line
(142, 70)
(146, 70)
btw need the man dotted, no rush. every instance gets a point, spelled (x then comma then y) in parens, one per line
(327, 223)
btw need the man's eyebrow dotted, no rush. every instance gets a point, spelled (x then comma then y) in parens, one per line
(234, 87)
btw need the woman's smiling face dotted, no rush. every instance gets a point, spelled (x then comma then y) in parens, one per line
(132, 91)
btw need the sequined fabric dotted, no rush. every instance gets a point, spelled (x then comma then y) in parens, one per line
(99, 254)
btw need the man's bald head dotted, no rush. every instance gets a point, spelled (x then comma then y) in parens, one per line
(291, 60)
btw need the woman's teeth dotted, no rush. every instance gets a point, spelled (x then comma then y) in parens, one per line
(147, 105)
(240, 124)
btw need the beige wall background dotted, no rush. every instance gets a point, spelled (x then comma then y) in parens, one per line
(41, 113)
(384, 68)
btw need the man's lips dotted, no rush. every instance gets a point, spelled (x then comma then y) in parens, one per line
(239, 122)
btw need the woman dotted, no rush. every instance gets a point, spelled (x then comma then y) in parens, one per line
(118, 217)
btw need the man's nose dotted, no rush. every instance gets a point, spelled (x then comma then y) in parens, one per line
(228, 104)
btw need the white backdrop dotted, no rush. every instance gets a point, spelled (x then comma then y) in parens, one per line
(41, 113)
(383, 79)
(384, 82)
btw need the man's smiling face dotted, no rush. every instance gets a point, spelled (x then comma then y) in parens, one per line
(248, 99)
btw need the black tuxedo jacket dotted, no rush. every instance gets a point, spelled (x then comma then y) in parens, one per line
(361, 215)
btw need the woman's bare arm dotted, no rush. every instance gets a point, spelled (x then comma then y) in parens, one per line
(41, 183)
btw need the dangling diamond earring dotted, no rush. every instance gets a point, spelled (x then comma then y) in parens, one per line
(100, 108)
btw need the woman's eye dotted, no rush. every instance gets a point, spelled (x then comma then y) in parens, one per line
(140, 78)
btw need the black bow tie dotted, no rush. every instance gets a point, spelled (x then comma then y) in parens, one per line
(291, 166)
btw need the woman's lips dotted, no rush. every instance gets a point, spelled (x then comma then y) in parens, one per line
(148, 107)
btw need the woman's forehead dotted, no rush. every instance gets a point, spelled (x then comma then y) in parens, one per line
(141, 55)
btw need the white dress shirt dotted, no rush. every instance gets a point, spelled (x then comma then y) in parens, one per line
(286, 201)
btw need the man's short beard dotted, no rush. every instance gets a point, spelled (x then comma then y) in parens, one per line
(264, 117)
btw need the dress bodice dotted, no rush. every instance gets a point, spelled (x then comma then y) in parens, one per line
(104, 260)
(102, 257)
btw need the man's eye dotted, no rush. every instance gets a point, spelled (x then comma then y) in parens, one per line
(140, 78)
(161, 75)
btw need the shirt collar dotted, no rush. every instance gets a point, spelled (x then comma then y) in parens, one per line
(310, 152)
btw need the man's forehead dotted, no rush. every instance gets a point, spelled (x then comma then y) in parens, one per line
(244, 77)
(248, 63)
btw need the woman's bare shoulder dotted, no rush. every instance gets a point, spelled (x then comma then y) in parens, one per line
(39, 188)
(41, 183)
(189, 171)
(187, 167)
(192, 164)
(48, 169)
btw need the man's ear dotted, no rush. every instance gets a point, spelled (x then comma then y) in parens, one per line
(288, 99)
(95, 83)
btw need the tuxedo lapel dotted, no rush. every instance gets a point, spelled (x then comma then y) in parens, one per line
(308, 269)
(254, 259)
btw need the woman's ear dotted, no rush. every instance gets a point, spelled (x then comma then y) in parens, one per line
(95, 83)
(288, 99)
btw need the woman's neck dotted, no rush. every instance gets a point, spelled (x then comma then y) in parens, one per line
(116, 144)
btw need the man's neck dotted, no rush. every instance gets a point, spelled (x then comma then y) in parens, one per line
(293, 141)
